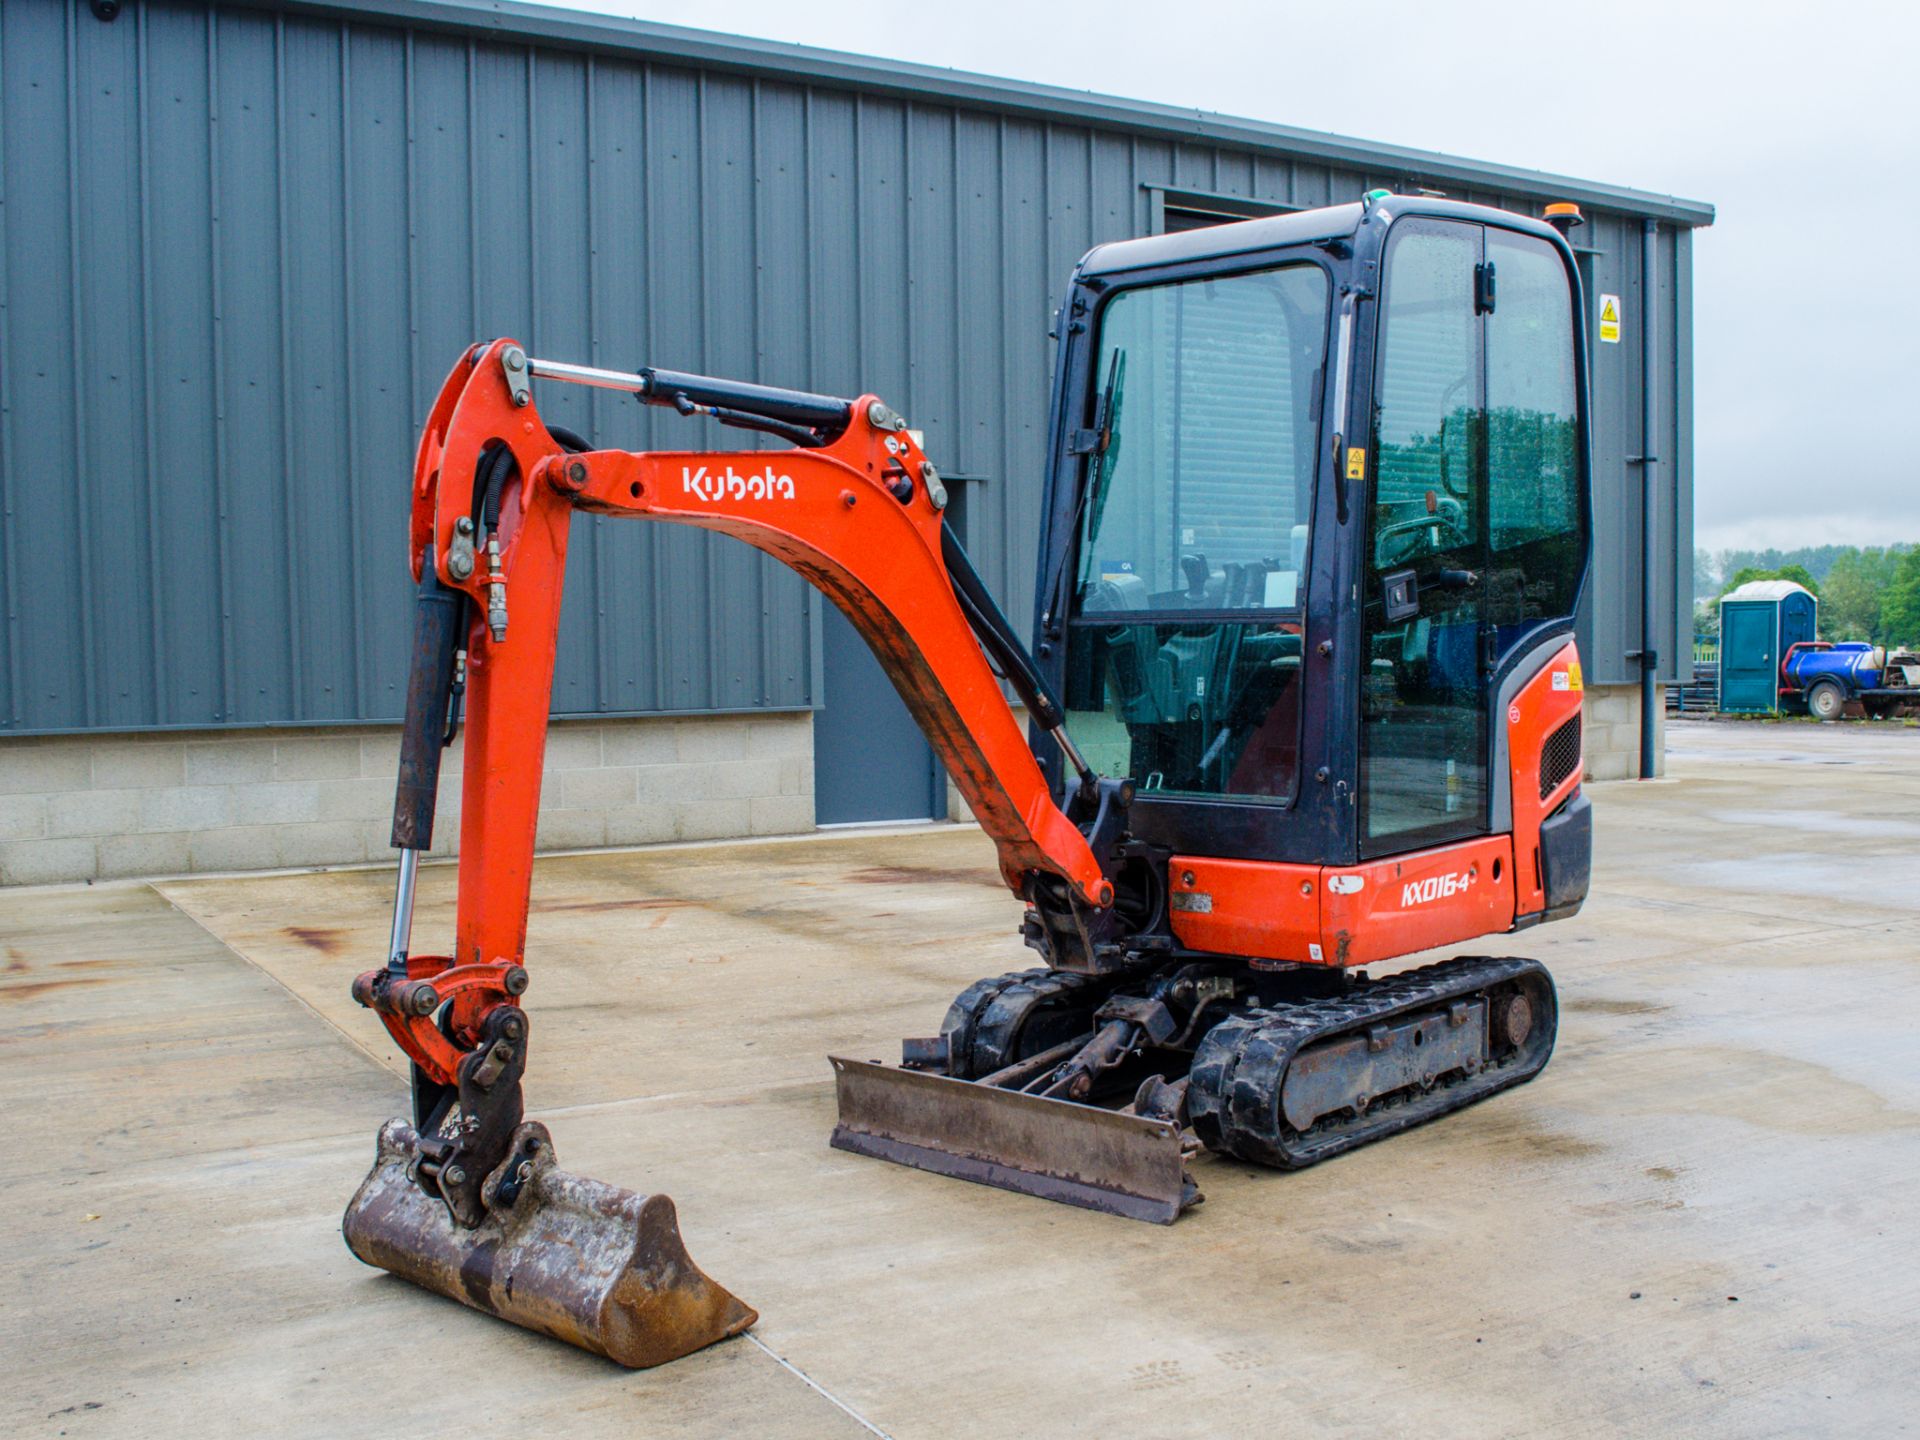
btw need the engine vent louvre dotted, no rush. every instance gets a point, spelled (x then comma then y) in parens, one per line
(1560, 757)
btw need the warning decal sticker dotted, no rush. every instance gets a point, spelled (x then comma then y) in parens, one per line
(1609, 319)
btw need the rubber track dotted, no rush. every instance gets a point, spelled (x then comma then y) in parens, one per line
(1241, 1064)
(989, 1013)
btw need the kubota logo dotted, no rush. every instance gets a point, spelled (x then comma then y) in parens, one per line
(1434, 887)
(695, 481)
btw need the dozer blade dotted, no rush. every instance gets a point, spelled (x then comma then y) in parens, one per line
(588, 1263)
(1128, 1165)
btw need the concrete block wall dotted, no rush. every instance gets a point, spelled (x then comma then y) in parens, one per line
(1610, 715)
(88, 807)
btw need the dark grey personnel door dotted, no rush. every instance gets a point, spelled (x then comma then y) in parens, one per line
(870, 761)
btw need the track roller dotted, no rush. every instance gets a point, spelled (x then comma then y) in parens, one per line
(1293, 1085)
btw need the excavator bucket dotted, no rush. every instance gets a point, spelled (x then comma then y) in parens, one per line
(587, 1263)
(1132, 1165)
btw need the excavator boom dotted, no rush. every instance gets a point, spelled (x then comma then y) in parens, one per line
(856, 508)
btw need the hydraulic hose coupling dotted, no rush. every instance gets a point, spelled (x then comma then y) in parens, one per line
(496, 592)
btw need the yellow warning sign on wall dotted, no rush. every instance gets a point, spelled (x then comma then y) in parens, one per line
(1609, 319)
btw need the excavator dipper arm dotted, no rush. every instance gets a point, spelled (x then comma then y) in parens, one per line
(855, 508)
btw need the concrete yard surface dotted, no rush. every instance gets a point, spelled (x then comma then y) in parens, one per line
(1699, 1220)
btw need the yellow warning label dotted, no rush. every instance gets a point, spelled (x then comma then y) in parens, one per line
(1609, 319)
(1573, 676)
(1356, 463)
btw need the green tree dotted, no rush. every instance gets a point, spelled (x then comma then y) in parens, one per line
(1795, 572)
(1817, 559)
(1706, 575)
(1851, 598)
(1900, 602)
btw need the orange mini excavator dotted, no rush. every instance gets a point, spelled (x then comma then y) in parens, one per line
(1302, 697)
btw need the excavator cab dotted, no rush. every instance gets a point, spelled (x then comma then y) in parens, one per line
(1302, 697)
(1317, 489)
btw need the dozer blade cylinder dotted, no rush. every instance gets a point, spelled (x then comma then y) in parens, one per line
(1128, 1165)
(591, 1264)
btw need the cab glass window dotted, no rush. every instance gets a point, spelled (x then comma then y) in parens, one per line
(1209, 394)
(1535, 530)
(1476, 531)
(1183, 648)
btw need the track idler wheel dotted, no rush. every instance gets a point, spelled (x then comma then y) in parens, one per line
(591, 1264)
(1009, 1018)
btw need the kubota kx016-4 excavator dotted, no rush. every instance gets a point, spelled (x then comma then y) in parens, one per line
(1303, 697)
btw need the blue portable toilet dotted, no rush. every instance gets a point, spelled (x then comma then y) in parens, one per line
(1758, 622)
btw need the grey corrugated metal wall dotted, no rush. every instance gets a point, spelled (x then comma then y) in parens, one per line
(241, 249)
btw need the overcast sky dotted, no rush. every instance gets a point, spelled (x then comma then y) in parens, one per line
(1800, 122)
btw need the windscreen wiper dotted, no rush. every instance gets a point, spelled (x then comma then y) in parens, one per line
(1102, 442)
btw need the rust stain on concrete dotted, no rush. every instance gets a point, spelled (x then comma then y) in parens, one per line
(556, 907)
(316, 937)
(1596, 1006)
(42, 987)
(925, 875)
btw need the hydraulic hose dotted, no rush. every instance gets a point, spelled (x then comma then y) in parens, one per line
(497, 467)
(995, 634)
(1003, 647)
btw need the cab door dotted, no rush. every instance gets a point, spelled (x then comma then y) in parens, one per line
(1475, 534)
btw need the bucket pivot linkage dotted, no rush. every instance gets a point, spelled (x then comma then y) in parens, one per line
(467, 1200)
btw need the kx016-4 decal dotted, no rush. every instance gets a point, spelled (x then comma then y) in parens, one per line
(1434, 887)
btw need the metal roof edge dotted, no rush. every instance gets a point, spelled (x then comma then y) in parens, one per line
(511, 20)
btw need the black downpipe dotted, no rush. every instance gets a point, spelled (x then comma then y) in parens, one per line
(1649, 480)
(439, 623)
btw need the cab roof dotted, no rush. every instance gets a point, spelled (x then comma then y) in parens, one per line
(1298, 227)
(1268, 232)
